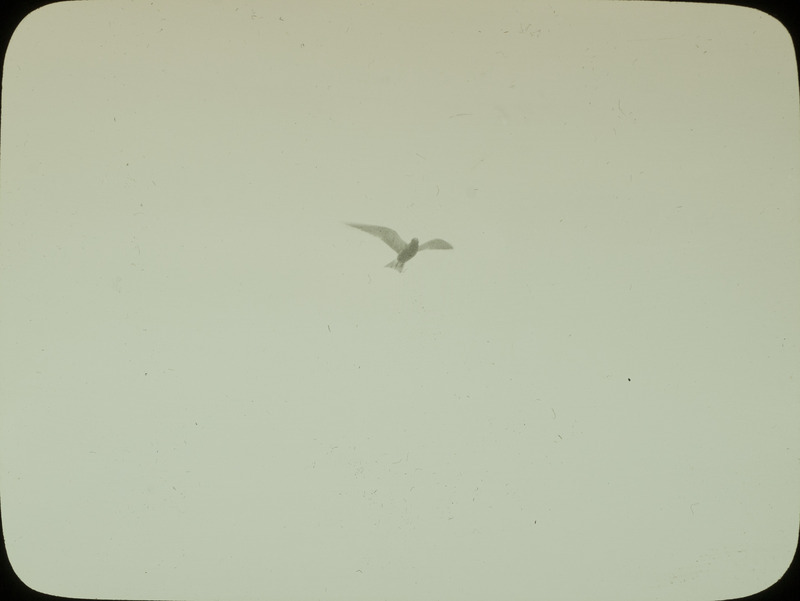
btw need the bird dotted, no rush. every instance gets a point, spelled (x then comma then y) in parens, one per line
(405, 252)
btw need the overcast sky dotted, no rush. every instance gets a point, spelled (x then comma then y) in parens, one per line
(210, 387)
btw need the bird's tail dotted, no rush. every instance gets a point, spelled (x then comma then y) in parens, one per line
(396, 265)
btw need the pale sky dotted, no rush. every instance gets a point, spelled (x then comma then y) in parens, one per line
(211, 388)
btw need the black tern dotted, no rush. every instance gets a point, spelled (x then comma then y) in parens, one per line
(405, 252)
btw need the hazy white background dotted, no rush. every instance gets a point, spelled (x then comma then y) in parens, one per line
(212, 388)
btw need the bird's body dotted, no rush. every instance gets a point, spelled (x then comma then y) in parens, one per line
(405, 252)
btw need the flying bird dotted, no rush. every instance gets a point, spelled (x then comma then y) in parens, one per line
(405, 252)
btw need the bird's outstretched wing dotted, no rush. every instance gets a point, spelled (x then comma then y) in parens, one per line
(436, 243)
(389, 236)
